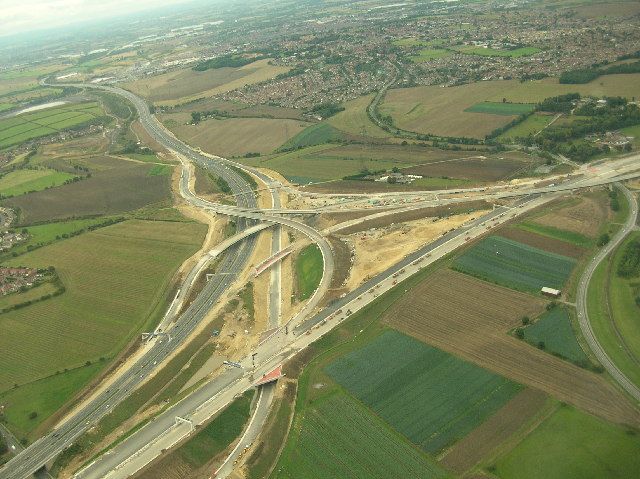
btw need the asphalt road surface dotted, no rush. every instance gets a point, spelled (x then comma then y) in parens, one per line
(581, 301)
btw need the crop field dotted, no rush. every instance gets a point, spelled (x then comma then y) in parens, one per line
(573, 445)
(427, 54)
(429, 396)
(487, 437)
(492, 52)
(515, 265)
(583, 215)
(440, 111)
(338, 437)
(499, 108)
(355, 121)
(553, 232)
(633, 131)
(33, 125)
(554, 330)
(542, 242)
(186, 85)
(309, 268)
(471, 319)
(115, 186)
(116, 280)
(495, 167)
(531, 126)
(236, 136)
(314, 135)
(331, 162)
(20, 182)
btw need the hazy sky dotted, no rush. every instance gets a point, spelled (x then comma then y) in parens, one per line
(24, 15)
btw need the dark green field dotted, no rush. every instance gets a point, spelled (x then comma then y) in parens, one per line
(554, 331)
(314, 135)
(308, 271)
(496, 108)
(515, 265)
(429, 396)
(340, 438)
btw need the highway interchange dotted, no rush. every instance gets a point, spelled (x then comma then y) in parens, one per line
(137, 450)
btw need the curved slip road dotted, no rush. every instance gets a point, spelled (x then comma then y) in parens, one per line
(581, 300)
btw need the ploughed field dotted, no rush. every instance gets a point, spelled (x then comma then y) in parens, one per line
(471, 318)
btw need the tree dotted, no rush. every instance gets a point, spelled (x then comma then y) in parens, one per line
(604, 239)
(519, 333)
(525, 320)
(196, 117)
(541, 345)
(33, 415)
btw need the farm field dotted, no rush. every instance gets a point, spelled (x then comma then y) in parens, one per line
(106, 299)
(554, 330)
(553, 232)
(440, 111)
(542, 242)
(532, 125)
(49, 232)
(173, 88)
(338, 437)
(115, 186)
(43, 397)
(20, 182)
(355, 121)
(235, 136)
(583, 215)
(520, 411)
(515, 265)
(314, 135)
(33, 125)
(571, 444)
(204, 446)
(471, 319)
(633, 131)
(492, 52)
(32, 294)
(332, 162)
(309, 269)
(499, 166)
(429, 396)
(499, 108)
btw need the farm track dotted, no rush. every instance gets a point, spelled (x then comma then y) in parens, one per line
(471, 319)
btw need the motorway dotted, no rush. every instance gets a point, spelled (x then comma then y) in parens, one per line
(234, 261)
(213, 396)
(581, 300)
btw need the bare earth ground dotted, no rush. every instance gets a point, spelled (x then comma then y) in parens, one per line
(471, 318)
(480, 442)
(377, 250)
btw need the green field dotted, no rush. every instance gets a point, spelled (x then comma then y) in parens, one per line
(499, 108)
(44, 397)
(20, 182)
(557, 233)
(309, 267)
(427, 54)
(554, 329)
(339, 438)
(573, 445)
(49, 232)
(6, 106)
(429, 396)
(532, 125)
(33, 125)
(491, 52)
(314, 135)
(515, 265)
(32, 294)
(633, 131)
(116, 281)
